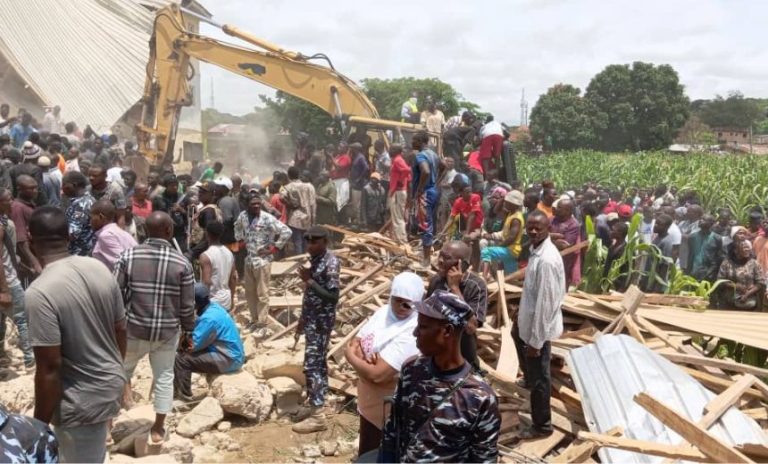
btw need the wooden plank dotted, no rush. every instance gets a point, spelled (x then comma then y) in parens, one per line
(520, 274)
(345, 387)
(633, 329)
(359, 299)
(723, 364)
(281, 268)
(717, 406)
(644, 447)
(508, 362)
(631, 301)
(578, 452)
(335, 350)
(759, 413)
(285, 301)
(711, 446)
(720, 384)
(657, 332)
(540, 447)
(283, 332)
(353, 285)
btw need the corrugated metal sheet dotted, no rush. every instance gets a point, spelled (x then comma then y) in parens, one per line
(611, 371)
(79, 54)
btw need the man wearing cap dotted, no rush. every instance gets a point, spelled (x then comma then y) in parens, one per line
(539, 320)
(443, 411)
(299, 198)
(509, 239)
(31, 153)
(318, 316)
(264, 235)
(374, 203)
(214, 347)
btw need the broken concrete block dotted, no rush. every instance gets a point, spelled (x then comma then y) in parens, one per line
(202, 418)
(242, 394)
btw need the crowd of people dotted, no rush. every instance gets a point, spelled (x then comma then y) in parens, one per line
(107, 260)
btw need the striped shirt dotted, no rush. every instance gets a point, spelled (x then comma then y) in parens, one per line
(539, 318)
(158, 290)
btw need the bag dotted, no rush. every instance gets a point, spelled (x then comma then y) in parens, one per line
(198, 233)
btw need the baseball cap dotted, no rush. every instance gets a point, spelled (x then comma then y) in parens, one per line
(224, 181)
(625, 211)
(514, 197)
(446, 306)
(316, 232)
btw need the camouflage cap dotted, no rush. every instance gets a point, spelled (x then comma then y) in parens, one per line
(446, 306)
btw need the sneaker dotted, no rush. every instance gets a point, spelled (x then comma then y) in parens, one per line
(314, 423)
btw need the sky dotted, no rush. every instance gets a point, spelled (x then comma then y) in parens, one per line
(491, 50)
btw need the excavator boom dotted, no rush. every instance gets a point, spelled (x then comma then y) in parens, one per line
(166, 89)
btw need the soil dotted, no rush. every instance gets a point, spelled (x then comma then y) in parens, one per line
(276, 442)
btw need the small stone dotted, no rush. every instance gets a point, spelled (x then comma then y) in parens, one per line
(234, 446)
(346, 446)
(311, 451)
(178, 447)
(224, 426)
(329, 448)
(202, 418)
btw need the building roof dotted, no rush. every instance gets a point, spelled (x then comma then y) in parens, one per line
(87, 56)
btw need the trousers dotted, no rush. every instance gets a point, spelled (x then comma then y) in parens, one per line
(162, 355)
(204, 362)
(317, 331)
(19, 316)
(536, 372)
(257, 292)
(297, 239)
(396, 204)
(85, 443)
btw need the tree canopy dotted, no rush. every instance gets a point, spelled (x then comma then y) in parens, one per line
(562, 119)
(733, 111)
(389, 94)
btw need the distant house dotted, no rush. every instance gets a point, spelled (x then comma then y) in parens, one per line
(731, 135)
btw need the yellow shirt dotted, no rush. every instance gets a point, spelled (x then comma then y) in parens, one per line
(517, 245)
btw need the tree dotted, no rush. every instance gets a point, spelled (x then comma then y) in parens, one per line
(389, 94)
(296, 115)
(640, 107)
(562, 119)
(735, 111)
(695, 132)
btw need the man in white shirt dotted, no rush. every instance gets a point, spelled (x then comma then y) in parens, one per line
(539, 321)
(52, 121)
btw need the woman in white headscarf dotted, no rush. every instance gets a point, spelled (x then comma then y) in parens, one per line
(378, 352)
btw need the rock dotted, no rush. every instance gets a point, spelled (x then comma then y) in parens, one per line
(311, 451)
(178, 447)
(202, 418)
(279, 364)
(131, 423)
(287, 395)
(224, 426)
(18, 394)
(234, 446)
(206, 454)
(329, 448)
(346, 446)
(249, 348)
(243, 395)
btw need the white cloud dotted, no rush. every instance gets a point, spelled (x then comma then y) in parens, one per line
(489, 51)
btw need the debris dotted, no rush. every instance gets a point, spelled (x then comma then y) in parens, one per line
(311, 451)
(224, 426)
(287, 395)
(242, 394)
(203, 417)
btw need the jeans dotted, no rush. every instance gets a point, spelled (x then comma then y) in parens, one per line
(85, 443)
(536, 372)
(297, 239)
(205, 362)
(497, 254)
(162, 355)
(19, 316)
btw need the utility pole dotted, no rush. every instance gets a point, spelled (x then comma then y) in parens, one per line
(523, 110)
(212, 99)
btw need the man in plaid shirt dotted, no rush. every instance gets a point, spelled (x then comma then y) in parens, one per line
(159, 294)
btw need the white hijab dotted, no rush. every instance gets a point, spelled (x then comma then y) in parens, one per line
(406, 285)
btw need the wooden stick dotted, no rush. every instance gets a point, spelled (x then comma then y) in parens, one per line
(343, 342)
(519, 274)
(657, 332)
(508, 362)
(714, 362)
(644, 447)
(712, 447)
(717, 406)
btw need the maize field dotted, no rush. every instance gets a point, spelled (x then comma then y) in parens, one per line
(737, 182)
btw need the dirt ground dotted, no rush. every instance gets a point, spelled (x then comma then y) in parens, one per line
(276, 442)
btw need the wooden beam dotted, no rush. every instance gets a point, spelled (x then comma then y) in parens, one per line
(723, 364)
(712, 447)
(717, 406)
(720, 384)
(520, 274)
(657, 332)
(332, 353)
(359, 299)
(540, 447)
(508, 362)
(578, 452)
(353, 285)
(633, 329)
(644, 447)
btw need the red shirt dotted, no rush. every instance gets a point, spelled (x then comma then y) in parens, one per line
(474, 161)
(399, 175)
(21, 213)
(278, 204)
(344, 164)
(141, 210)
(475, 205)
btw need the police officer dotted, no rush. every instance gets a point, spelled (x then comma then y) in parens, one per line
(443, 410)
(318, 315)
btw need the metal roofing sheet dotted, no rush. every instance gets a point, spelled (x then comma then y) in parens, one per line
(611, 371)
(88, 56)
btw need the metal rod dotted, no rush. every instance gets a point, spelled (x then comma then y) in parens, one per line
(201, 17)
(337, 103)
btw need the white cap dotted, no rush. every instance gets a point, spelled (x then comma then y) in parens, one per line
(225, 181)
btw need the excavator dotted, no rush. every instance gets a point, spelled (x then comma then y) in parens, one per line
(167, 89)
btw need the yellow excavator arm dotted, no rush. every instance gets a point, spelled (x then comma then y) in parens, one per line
(166, 89)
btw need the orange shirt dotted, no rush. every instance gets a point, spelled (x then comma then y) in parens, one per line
(546, 210)
(62, 164)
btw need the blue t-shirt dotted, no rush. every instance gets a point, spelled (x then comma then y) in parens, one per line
(430, 157)
(215, 331)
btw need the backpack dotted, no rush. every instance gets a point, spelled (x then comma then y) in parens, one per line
(198, 233)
